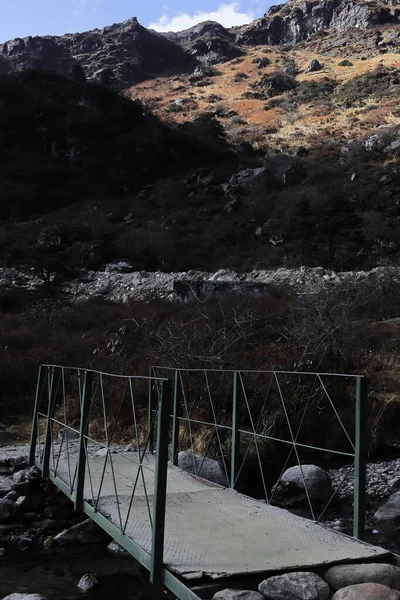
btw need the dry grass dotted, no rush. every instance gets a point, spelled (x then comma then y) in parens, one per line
(294, 128)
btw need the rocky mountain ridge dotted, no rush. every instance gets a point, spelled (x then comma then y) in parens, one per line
(127, 52)
(297, 20)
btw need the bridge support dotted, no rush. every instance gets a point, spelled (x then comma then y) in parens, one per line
(86, 391)
(235, 442)
(361, 454)
(160, 488)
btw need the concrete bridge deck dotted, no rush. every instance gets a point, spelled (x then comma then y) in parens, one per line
(209, 530)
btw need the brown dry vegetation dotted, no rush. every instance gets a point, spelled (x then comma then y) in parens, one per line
(331, 332)
(277, 128)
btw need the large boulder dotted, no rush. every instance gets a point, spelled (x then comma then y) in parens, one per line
(387, 517)
(291, 488)
(366, 591)
(229, 594)
(314, 66)
(301, 585)
(206, 468)
(5, 486)
(341, 576)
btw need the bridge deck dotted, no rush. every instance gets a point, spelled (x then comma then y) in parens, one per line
(209, 530)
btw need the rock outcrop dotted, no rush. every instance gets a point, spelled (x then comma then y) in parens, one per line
(297, 20)
(124, 53)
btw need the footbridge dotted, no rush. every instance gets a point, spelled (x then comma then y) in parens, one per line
(114, 445)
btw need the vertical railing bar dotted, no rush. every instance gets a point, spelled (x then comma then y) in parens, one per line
(175, 416)
(52, 452)
(150, 420)
(50, 407)
(85, 393)
(235, 442)
(135, 425)
(104, 408)
(35, 420)
(65, 423)
(90, 475)
(360, 461)
(160, 489)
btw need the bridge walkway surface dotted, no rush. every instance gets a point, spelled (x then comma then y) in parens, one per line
(196, 531)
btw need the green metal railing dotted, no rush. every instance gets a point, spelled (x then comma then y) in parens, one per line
(242, 406)
(81, 415)
(69, 404)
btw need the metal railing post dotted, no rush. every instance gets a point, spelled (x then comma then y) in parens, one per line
(175, 416)
(34, 430)
(152, 404)
(81, 466)
(160, 488)
(361, 452)
(235, 443)
(49, 428)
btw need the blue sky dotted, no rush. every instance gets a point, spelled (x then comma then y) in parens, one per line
(20, 18)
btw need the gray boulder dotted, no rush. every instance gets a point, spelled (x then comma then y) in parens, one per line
(5, 486)
(8, 510)
(314, 66)
(366, 591)
(88, 582)
(387, 517)
(291, 488)
(237, 595)
(86, 532)
(341, 576)
(301, 585)
(206, 468)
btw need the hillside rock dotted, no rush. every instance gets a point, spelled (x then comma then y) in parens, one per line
(208, 42)
(127, 52)
(297, 20)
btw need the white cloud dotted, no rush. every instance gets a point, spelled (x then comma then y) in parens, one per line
(227, 15)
